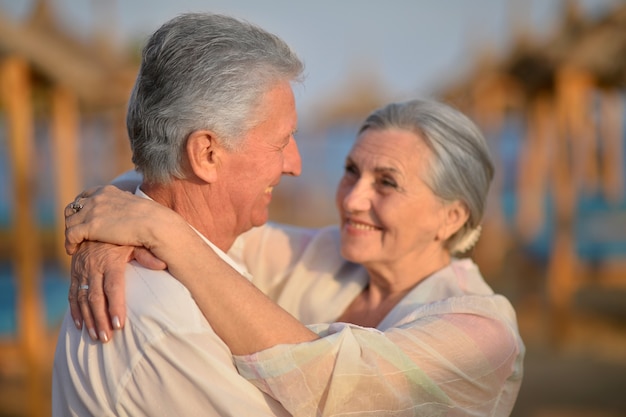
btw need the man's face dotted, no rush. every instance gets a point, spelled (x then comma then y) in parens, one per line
(269, 151)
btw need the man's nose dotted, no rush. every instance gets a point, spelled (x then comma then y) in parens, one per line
(292, 163)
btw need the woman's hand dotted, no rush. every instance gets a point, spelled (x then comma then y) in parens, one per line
(90, 294)
(97, 289)
(96, 293)
(107, 214)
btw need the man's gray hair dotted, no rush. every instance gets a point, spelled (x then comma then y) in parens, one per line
(201, 71)
(461, 168)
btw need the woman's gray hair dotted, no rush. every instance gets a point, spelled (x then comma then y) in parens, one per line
(461, 168)
(201, 71)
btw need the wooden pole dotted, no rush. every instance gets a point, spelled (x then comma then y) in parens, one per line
(123, 154)
(534, 165)
(612, 136)
(573, 142)
(65, 125)
(574, 91)
(16, 95)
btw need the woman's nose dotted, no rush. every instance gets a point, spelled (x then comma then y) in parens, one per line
(358, 197)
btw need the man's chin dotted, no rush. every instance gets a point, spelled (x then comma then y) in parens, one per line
(261, 219)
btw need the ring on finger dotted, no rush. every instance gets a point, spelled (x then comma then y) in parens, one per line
(76, 205)
(83, 287)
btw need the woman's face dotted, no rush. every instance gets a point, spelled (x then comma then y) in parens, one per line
(388, 213)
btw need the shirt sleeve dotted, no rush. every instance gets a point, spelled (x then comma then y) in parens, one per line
(176, 377)
(441, 361)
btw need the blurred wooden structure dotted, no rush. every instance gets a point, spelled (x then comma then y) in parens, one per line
(45, 74)
(569, 90)
(359, 95)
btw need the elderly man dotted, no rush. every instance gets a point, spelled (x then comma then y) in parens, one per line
(211, 122)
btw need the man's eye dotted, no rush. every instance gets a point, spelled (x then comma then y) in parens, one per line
(350, 169)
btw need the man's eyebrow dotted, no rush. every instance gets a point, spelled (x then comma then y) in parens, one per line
(290, 134)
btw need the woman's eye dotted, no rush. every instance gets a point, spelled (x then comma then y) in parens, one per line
(388, 182)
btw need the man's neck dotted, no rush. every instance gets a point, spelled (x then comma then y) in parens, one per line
(192, 202)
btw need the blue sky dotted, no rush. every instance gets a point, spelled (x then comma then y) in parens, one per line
(411, 46)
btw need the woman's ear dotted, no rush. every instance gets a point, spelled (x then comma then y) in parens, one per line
(455, 216)
(202, 153)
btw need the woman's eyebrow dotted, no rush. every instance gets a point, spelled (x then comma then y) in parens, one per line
(385, 170)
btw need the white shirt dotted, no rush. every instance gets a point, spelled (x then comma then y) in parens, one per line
(167, 361)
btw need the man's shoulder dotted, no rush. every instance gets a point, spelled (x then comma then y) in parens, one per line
(156, 301)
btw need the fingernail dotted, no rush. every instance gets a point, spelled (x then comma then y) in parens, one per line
(78, 324)
(92, 334)
(103, 336)
(116, 323)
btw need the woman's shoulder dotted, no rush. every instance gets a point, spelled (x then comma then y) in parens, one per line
(462, 277)
(458, 288)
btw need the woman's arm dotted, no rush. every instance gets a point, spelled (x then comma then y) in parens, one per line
(269, 253)
(239, 313)
(450, 357)
(246, 319)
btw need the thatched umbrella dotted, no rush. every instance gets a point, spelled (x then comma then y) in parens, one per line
(568, 89)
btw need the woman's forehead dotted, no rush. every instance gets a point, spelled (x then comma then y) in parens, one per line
(390, 148)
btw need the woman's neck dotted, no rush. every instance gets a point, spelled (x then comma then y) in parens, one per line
(388, 285)
(404, 274)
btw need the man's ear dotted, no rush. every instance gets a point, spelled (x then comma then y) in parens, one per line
(202, 153)
(455, 215)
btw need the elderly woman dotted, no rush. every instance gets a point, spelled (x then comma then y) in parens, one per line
(409, 328)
